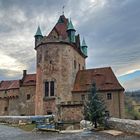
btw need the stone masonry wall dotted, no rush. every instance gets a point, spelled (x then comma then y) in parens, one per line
(49, 106)
(55, 62)
(27, 106)
(72, 113)
(3, 105)
(13, 106)
(126, 125)
(115, 106)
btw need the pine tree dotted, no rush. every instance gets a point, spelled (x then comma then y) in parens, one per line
(94, 109)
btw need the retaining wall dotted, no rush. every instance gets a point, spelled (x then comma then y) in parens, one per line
(21, 119)
(126, 125)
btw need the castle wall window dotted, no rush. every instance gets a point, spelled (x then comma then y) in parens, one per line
(52, 88)
(28, 96)
(46, 89)
(6, 108)
(109, 96)
(83, 97)
(49, 88)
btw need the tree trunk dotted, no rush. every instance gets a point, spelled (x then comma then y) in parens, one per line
(95, 123)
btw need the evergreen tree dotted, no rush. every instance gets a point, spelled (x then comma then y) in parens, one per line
(94, 109)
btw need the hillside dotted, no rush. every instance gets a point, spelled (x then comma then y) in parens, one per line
(132, 105)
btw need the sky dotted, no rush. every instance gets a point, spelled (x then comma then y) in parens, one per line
(111, 29)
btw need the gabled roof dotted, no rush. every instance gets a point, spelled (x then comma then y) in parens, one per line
(29, 80)
(103, 77)
(61, 27)
(11, 84)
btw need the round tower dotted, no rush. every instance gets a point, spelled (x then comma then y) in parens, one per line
(58, 61)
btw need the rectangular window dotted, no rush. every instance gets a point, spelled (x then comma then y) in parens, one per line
(52, 88)
(6, 108)
(109, 96)
(28, 96)
(83, 97)
(46, 89)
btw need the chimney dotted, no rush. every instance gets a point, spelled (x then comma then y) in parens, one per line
(24, 73)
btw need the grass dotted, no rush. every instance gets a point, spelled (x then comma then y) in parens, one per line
(27, 127)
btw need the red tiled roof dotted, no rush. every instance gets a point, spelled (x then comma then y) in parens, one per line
(29, 79)
(11, 84)
(61, 27)
(103, 77)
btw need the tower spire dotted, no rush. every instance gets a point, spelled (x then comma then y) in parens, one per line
(38, 36)
(83, 42)
(70, 25)
(38, 32)
(63, 8)
(84, 47)
(71, 31)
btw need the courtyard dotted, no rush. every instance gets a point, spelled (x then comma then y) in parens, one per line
(12, 133)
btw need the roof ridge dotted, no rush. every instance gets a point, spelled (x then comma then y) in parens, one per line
(96, 68)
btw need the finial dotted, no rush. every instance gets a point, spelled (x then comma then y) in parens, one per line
(63, 8)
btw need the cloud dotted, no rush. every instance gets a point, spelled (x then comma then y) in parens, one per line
(112, 32)
(7, 62)
(110, 27)
(132, 84)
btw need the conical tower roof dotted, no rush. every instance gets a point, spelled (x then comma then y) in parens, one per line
(70, 25)
(84, 43)
(38, 32)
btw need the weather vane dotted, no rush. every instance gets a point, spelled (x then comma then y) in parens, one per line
(63, 9)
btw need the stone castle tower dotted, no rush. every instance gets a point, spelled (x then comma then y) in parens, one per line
(59, 57)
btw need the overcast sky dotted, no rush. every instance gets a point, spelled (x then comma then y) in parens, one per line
(111, 29)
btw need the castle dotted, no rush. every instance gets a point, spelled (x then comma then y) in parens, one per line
(61, 82)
